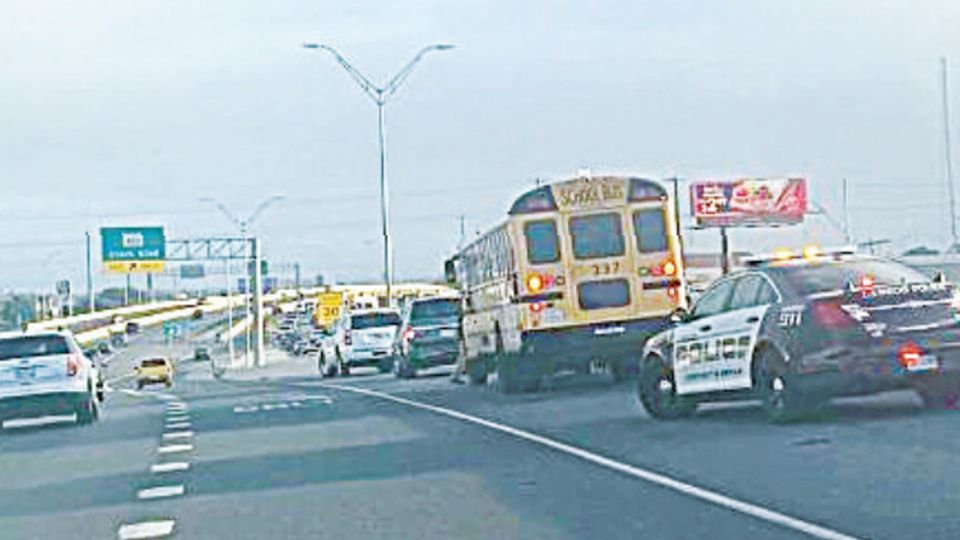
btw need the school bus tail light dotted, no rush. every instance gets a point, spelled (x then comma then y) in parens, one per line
(666, 268)
(673, 293)
(535, 282)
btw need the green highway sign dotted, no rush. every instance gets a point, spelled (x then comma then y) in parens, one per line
(133, 243)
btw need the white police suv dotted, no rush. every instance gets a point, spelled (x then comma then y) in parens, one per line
(45, 374)
(796, 330)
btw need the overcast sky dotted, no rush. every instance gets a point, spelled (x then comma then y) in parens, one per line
(126, 112)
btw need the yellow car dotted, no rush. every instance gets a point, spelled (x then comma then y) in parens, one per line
(154, 370)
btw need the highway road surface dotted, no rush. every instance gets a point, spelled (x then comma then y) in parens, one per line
(290, 455)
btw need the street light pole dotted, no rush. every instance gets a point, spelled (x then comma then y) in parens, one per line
(244, 226)
(380, 96)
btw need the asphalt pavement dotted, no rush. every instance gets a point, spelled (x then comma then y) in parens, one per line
(281, 453)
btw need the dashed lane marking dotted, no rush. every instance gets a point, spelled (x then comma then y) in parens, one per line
(146, 529)
(160, 492)
(36, 422)
(175, 448)
(177, 435)
(172, 466)
(730, 503)
(178, 425)
(298, 403)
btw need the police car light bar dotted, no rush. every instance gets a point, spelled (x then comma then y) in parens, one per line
(807, 253)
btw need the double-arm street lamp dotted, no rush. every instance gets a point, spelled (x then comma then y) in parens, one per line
(244, 226)
(380, 95)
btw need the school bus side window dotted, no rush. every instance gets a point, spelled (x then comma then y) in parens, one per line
(649, 228)
(543, 246)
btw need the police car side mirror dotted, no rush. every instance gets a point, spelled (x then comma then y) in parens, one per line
(679, 315)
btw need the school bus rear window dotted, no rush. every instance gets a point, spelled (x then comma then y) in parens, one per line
(649, 228)
(596, 236)
(543, 245)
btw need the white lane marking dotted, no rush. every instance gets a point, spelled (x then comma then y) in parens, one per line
(177, 435)
(146, 529)
(296, 404)
(714, 497)
(180, 418)
(246, 409)
(174, 408)
(118, 379)
(160, 492)
(169, 467)
(175, 448)
(177, 425)
(267, 406)
(327, 400)
(38, 421)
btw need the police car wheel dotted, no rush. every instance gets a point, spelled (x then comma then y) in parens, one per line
(658, 394)
(781, 399)
(941, 393)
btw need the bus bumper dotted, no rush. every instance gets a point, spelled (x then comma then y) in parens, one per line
(578, 346)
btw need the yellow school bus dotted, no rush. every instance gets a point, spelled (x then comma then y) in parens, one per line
(579, 274)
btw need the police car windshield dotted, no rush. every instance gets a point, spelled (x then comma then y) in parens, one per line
(832, 276)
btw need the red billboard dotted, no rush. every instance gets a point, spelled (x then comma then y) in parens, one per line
(748, 202)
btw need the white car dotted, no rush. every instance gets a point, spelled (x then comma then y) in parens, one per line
(365, 338)
(44, 374)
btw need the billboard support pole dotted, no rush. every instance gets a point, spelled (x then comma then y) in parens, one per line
(724, 251)
(676, 211)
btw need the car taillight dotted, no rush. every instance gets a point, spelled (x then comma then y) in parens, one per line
(536, 307)
(410, 335)
(73, 364)
(829, 315)
(909, 354)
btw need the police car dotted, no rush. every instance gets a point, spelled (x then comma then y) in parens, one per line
(797, 329)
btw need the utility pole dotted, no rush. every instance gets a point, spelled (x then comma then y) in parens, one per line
(91, 296)
(676, 211)
(463, 232)
(258, 296)
(126, 291)
(296, 275)
(846, 215)
(230, 353)
(948, 153)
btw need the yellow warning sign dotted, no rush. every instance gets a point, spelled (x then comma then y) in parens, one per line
(129, 267)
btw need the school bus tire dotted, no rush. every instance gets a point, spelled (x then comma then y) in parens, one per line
(477, 372)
